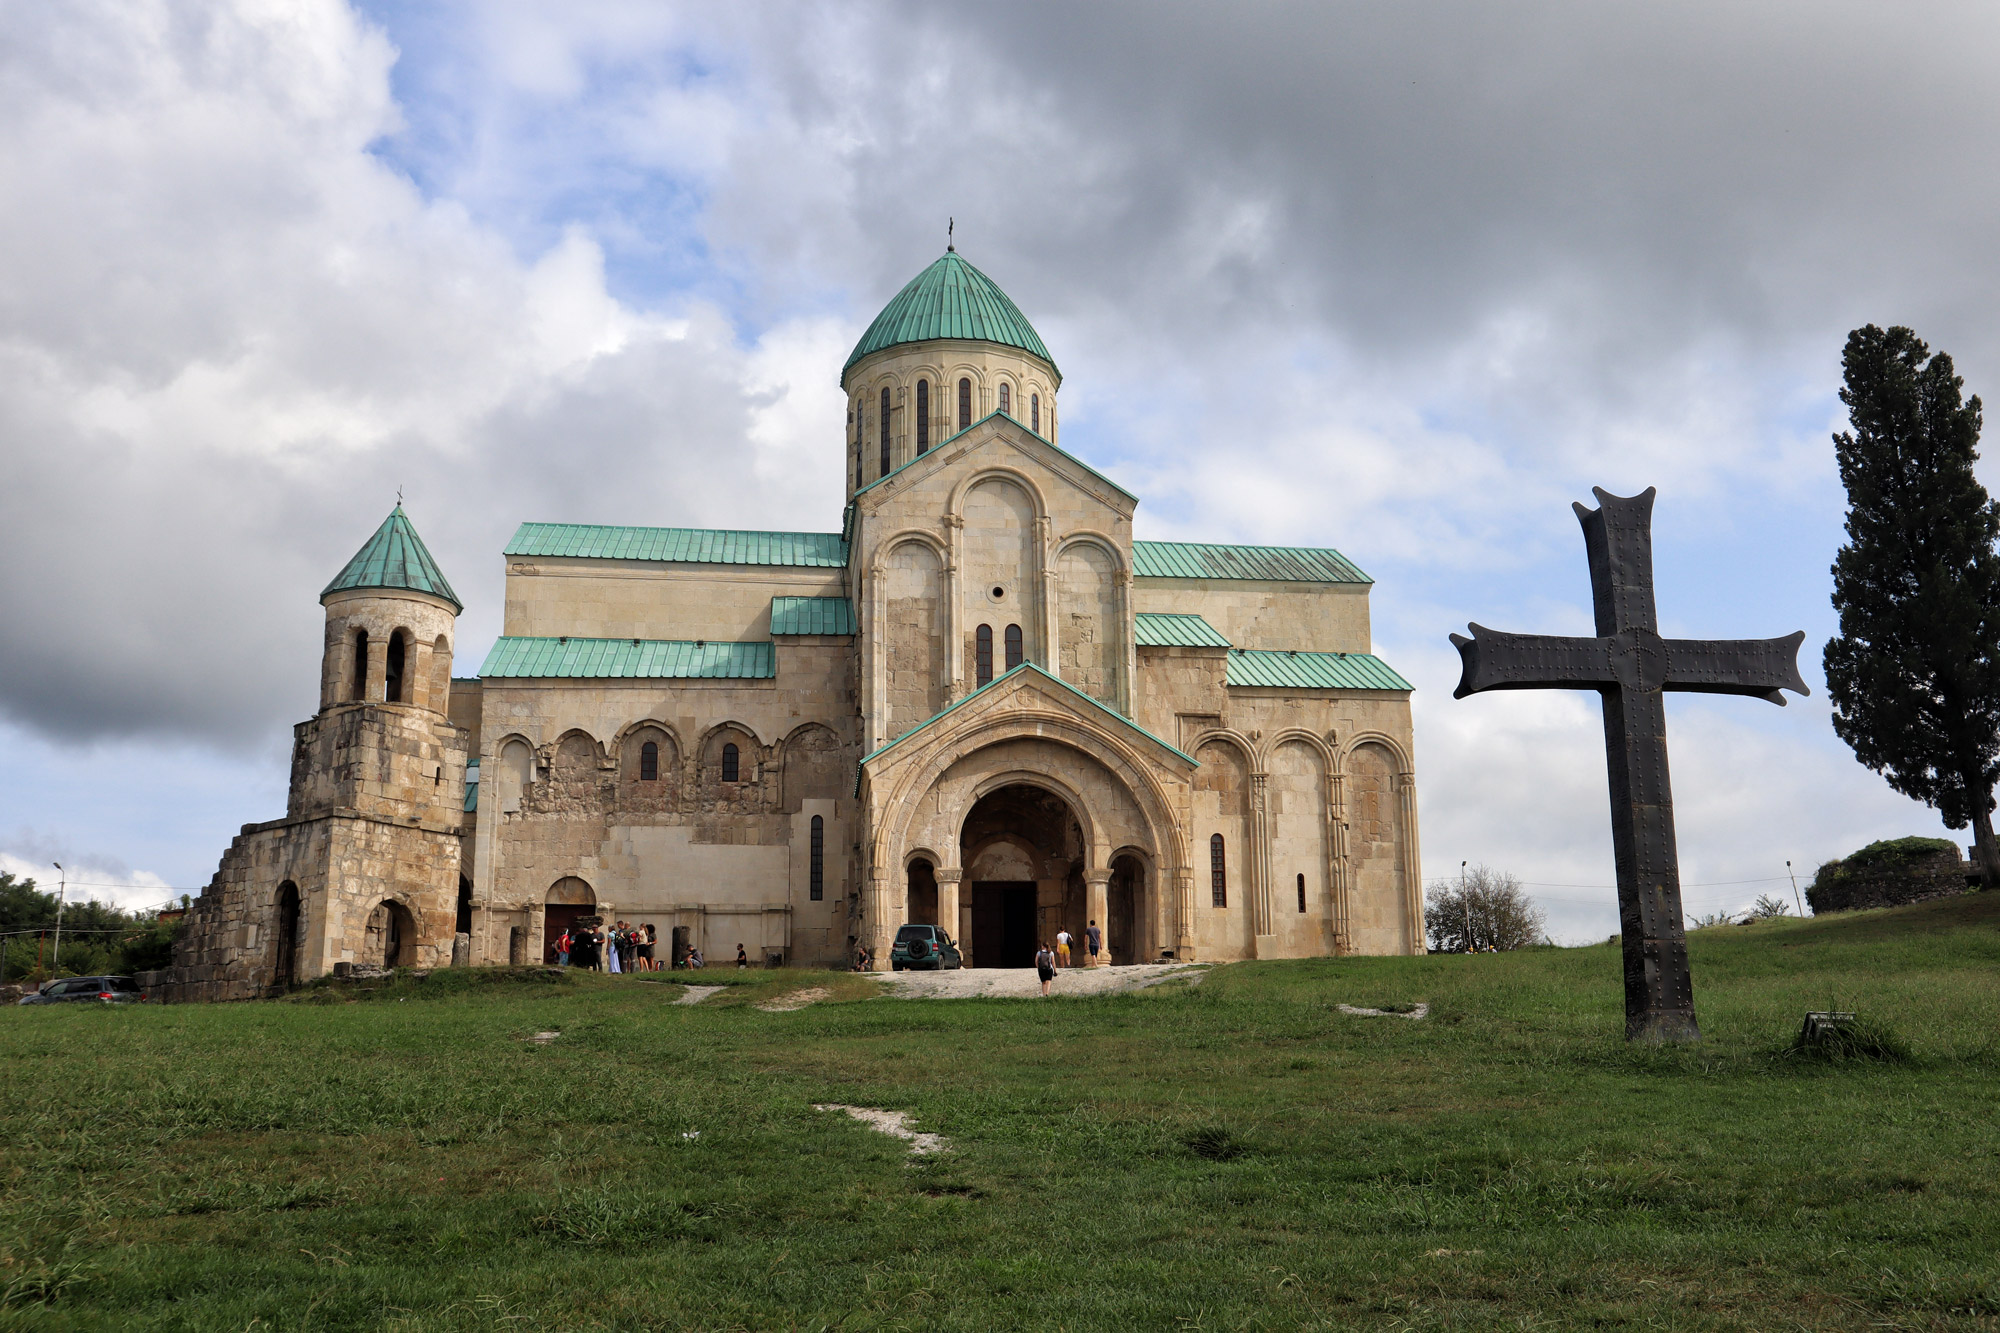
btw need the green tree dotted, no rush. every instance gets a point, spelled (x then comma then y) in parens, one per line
(1914, 673)
(1483, 909)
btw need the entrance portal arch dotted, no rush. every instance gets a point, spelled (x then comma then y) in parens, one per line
(568, 899)
(1023, 849)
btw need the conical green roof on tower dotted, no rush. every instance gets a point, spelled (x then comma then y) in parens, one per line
(950, 299)
(395, 557)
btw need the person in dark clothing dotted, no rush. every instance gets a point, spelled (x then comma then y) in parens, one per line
(1045, 966)
(742, 959)
(1094, 939)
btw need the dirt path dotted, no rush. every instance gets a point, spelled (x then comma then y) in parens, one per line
(1020, 982)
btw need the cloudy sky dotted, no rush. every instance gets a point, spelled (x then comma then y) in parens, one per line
(1402, 279)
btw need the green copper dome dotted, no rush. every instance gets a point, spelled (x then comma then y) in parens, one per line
(950, 299)
(395, 557)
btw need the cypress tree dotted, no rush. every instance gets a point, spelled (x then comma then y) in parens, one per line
(1914, 673)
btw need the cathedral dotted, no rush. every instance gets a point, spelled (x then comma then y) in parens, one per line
(980, 705)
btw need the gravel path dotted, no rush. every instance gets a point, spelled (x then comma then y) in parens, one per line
(1021, 983)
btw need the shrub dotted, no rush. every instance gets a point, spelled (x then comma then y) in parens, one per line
(1896, 849)
(1856, 1039)
(1490, 910)
(1768, 906)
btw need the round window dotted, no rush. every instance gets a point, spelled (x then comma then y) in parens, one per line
(999, 594)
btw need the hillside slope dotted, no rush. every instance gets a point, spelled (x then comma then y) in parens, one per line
(1237, 1154)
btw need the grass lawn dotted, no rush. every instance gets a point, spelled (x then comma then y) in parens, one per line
(1231, 1155)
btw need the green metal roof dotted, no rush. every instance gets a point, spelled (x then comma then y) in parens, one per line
(1164, 629)
(697, 546)
(950, 299)
(1312, 671)
(395, 557)
(811, 615)
(606, 659)
(1272, 564)
(1097, 704)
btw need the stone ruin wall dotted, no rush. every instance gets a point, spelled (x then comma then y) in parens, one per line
(1915, 879)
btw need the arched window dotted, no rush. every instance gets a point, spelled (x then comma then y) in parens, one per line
(360, 687)
(732, 763)
(392, 679)
(964, 404)
(649, 762)
(1013, 646)
(1035, 413)
(884, 424)
(923, 416)
(1302, 893)
(1218, 874)
(1006, 400)
(982, 654)
(818, 859)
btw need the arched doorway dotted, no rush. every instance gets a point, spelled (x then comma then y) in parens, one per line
(285, 974)
(922, 902)
(568, 899)
(1123, 904)
(1022, 847)
(392, 936)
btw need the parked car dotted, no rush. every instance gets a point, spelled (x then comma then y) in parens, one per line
(924, 948)
(94, 990)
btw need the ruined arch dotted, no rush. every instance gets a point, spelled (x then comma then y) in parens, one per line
(288, 928)
(647, 788)
(391, 938)
(811, 767)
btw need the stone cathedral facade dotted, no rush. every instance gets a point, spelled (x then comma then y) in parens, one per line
(980, 704)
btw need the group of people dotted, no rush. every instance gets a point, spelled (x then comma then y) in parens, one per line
(1047, 960)
(623, 948)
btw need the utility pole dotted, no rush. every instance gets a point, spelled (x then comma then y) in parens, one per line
(1464, 907)
(1795, 890)
(62, 899)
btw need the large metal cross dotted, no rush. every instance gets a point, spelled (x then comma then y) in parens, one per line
(1631, 666)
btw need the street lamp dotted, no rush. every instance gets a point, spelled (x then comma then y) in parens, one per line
(62, 899)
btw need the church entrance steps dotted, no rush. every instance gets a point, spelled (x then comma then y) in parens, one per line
(1021, 983)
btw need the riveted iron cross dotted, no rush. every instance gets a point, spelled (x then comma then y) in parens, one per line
(1631, 666)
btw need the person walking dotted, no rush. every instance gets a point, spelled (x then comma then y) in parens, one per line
(1094, 939)
(742, 959)
(1062, 948)
(562, 949)
(1045, 967)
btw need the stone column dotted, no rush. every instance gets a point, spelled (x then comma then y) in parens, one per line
(877, 930)
(1128, 669)
(1184, 927)
(953, 611)
(417, 675)
(1046, 614)
(1096, 898)
(1337, 870)
(948, 878)
(1413, 880)
(378, 669)
(1266, 941)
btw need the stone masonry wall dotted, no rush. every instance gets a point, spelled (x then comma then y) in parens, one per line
(1893, 884)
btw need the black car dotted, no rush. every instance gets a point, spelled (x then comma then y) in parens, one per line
(93, 990)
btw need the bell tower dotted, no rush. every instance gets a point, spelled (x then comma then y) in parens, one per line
(363, 870)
